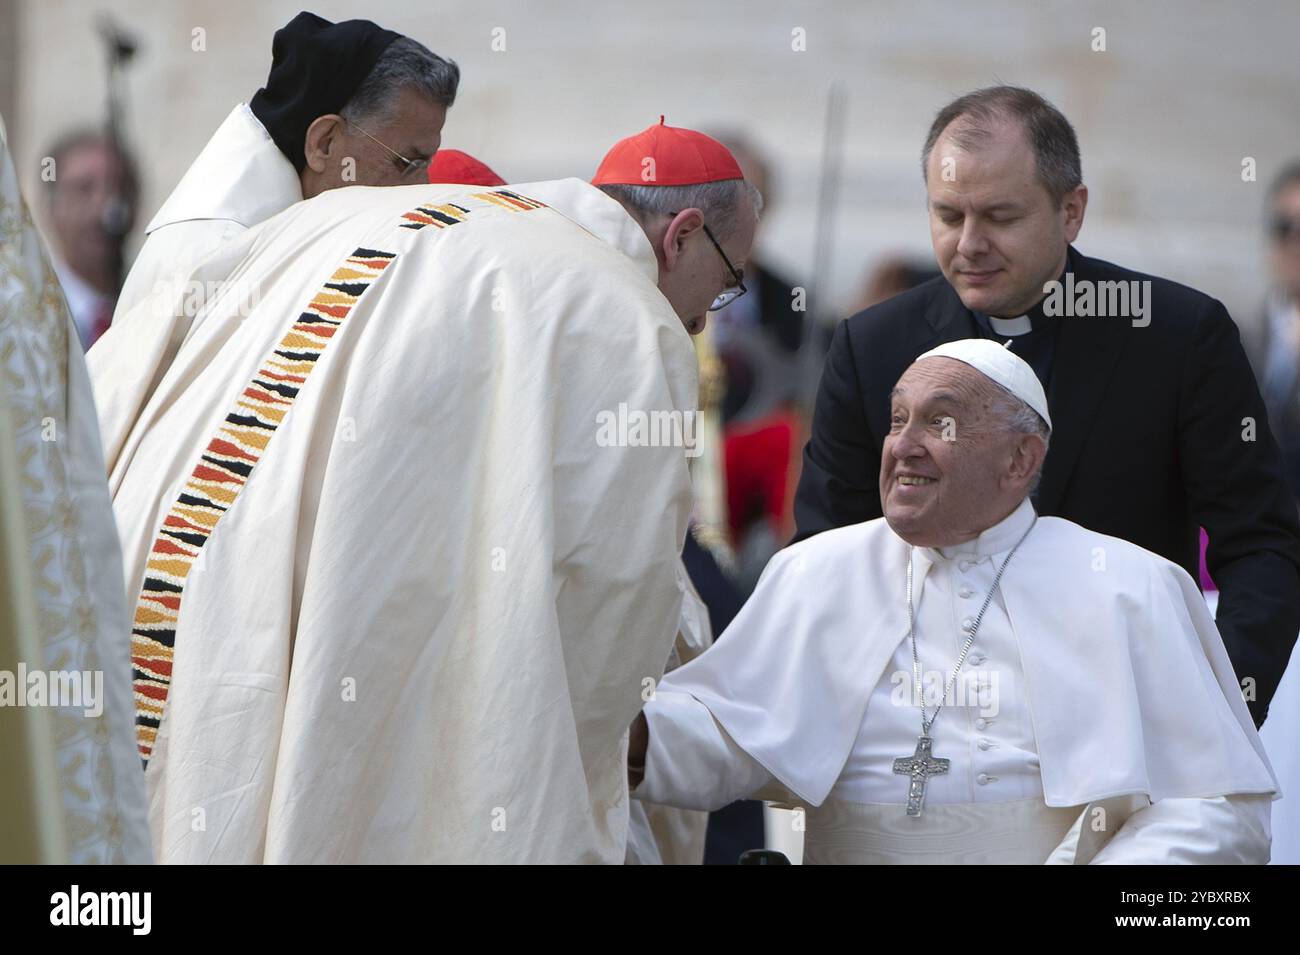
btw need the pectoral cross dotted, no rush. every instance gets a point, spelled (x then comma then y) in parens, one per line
(920, 766)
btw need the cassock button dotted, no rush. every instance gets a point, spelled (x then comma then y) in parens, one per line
(977, 658)
(967, 623)
(984, 744)
(982, 779)
(981, 723)
(965, 592)
(963, 565)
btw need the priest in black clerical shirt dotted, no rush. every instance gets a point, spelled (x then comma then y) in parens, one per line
(1159, 428)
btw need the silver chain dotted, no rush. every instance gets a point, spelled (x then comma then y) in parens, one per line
(911, 632)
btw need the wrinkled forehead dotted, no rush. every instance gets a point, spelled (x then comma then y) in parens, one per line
(940, 378)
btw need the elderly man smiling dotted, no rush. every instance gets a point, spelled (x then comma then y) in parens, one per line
(1159, 426)
(1106, 726)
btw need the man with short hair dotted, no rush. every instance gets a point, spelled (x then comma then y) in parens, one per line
(1160, 429)
(962, 681)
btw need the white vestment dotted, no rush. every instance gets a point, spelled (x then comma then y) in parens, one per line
(1096, 678)
(63, 562)
(239, 179)
(413, 621)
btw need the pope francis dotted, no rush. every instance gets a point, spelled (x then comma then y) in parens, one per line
(962, 681)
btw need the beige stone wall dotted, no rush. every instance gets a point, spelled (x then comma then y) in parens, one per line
(1165, 115)
(8, 56)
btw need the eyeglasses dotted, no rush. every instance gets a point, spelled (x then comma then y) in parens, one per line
(728, 295)
(410, 166)
(1283, 228)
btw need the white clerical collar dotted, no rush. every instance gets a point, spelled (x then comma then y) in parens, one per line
(998, 539)
(1011, 327)
(240, 175)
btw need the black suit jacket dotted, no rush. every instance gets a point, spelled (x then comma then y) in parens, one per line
(1147, 445)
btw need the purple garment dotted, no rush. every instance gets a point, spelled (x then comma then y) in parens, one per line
(1207, 582)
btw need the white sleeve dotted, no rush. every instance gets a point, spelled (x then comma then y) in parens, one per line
(691, 762)
(1220, 830)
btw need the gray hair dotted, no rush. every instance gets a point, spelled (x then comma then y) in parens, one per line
(720, 202)
(1050, 135)
(405, 64)
(1017, 417)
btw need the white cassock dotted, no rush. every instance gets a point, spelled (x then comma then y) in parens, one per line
(1110, 728)
(411, 597)
(64, 612)
(239, 179)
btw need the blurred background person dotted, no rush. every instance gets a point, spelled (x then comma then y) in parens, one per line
(762, 342)
(91, 205)
(760, 334)
(1273, 342)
